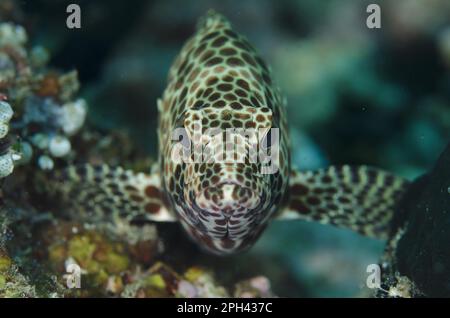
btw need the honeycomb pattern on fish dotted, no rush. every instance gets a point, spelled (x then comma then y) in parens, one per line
(218, 81)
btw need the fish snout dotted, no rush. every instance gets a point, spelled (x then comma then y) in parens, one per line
(228, 198)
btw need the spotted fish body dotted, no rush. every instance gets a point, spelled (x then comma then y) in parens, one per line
(218, 81)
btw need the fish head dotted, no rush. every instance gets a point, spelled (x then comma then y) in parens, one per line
(228, 187)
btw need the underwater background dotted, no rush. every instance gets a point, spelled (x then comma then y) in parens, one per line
(355, 96)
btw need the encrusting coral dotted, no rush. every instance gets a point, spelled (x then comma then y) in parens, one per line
(38, 115)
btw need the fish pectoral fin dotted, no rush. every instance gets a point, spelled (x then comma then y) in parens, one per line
(101, 190)
(360, 198)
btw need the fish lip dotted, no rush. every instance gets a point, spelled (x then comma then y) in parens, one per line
(201, 214)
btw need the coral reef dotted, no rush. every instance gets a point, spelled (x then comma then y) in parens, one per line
(37, 111)
(106, 261)
(20, 276)
(12, 283)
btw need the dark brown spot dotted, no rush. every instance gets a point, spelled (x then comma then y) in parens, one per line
(171, 185)
(199, 50)
(247, 58)
(131, 188)
(299, 189)
(237, 123)
(152, 208)
(232, 61)
(228, 78)
(152, 192)
(230, 96)
(225, 125)
(262, 64)
(245, 101)
(227, 243)
(194, 87)
(318, 191)
(215, 179)
(241, 93)
(231, 34)
(332, 206)
(250, 124)
(240, 45)
(299, 206)
(214, 97)
(225, 87)
(313, 200)
(371, 176)
(212, 80)
(228, 51)
(207, 92)
(214, 61)
(219, 69)
(219, 104)
(243, 84)
(194, 74)
(198, 104)
(260, 118)
(210, 36)
(136, 198)
(206, 56)
(219, 41)
(344, 200)
(389, 180)
(326, 179)
(236, 106)
(331, 190)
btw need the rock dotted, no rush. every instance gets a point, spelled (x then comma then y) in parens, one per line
(422, 252)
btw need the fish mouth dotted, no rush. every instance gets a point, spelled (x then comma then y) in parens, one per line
(227, 225)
